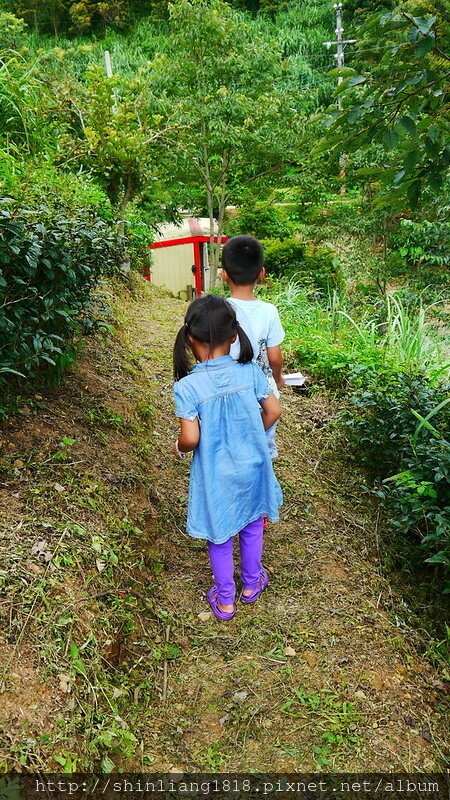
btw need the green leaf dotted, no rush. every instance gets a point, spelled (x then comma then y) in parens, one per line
(390, 139)
(424, 25)
(410, 160)
(356, 80)
(424, 421)
(342, 72)
(60, 760)
(438, 558)
(425, 45)
(106, 765)
(408, 124)
(413, 192)
(398, 176)
(354, 114)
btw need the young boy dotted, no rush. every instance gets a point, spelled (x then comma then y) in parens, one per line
(242, 268)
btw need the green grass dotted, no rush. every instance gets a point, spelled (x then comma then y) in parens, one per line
(324, 338)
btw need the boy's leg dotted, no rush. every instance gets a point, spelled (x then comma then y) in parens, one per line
(270, 435)
(221, 558)
(251, 547)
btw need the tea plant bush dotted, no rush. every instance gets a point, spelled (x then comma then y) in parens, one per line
(380, 424)
(48, 269)
(260, 219)
(409, 462)
(424, 242)
(421, 252)
(316, 266)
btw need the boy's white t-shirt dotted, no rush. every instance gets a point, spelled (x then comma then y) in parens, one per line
(261, 323)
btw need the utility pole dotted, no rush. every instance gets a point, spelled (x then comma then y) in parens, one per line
(339, 58)
(109, 74)
(125, 265)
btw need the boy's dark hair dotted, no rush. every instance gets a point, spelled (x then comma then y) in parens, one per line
(210, 320)
(242, 259)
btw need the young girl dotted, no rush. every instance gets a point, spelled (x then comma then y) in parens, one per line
(224, 407)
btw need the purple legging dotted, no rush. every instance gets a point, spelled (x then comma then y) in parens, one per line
(221, 558)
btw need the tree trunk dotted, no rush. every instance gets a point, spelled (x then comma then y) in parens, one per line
(222, 203)
(211, 248)
(125, 264)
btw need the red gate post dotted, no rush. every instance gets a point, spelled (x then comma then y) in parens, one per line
(198, 268)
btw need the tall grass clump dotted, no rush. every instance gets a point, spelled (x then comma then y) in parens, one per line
(324, 339)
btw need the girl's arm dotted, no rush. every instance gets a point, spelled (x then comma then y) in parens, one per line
(189, 436)
(271, 411)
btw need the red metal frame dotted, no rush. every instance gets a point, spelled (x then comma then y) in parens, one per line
(196, 241)
(198, 268)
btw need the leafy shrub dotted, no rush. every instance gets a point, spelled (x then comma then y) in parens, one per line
(12, 32)
(383, 434)
(424, 243)
(48, 268)
(395, 265)
(313, 265)
(139, 236)
(260, 219)
(38, 179)
(322, 262)
(283, 258)
(380, 424)
(344, 215)
(418, 499)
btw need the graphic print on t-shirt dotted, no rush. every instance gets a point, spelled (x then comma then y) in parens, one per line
(262, 359)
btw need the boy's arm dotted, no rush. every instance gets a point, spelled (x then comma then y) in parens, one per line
(271, 411)
(276, 364)
(189, 436)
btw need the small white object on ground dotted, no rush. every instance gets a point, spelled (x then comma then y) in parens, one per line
(294, 379)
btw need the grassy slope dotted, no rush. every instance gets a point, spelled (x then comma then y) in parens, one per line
(98, 575)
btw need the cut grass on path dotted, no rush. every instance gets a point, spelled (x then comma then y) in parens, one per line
(104, 660)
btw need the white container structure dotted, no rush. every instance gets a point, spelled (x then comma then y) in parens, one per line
(180, 257)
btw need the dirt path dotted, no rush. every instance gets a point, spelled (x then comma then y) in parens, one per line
(323, 672)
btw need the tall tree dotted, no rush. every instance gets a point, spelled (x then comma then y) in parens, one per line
(86, 14)
(220, 79)
(112, 132)
(400, 101)
(42, 15)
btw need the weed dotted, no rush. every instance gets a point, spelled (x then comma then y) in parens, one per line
(212, 758)
(62, 454)
(103, 415)
(335, 718)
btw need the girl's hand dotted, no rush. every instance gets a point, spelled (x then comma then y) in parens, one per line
(177, 453)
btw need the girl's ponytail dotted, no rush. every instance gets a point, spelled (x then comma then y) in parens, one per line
(181, 365)
(246, 351)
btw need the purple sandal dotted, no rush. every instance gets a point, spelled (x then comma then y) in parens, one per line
(213, 600)
(256, 593)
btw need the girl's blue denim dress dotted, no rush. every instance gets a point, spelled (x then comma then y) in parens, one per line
(232, 481)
